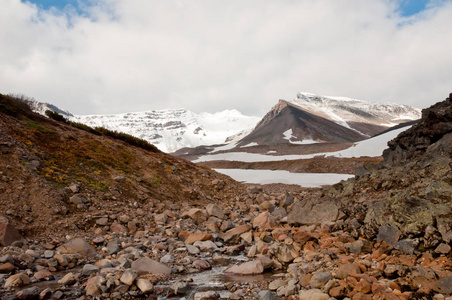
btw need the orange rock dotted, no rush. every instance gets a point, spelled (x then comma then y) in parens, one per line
(363, 286)
(202, 236)
(183, 234)
(393, 285)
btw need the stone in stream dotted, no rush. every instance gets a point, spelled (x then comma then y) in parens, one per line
(29, 293)
(147, 265)
(180, 288)
(8, 233)
(210, 295)
(266, 295)
(249, 268)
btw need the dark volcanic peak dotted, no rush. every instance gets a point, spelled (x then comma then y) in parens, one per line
(286, 123)
(312, 119)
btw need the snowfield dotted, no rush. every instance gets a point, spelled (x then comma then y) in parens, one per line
(371, 147)
(267, 177)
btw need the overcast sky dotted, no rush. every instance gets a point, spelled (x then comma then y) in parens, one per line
(114, 56)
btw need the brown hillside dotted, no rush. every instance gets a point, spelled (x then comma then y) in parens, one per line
(44, 161)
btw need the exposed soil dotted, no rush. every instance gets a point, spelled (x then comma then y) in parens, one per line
(313, 165)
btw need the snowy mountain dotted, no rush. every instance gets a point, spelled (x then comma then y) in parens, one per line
(171, 130)
(311, 119)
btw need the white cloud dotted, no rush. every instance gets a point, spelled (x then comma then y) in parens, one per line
(209, 55)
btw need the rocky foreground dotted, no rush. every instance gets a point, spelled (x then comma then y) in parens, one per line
(325, 261)
(165, 228)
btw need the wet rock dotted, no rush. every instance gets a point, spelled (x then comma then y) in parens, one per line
(388, 234)
(210, 295)
(147, 265)
(313, 294)
(215, 210)
(8, 233)
(180, 288)
(264, 221)
(45, 294)
(248, 268)
(145, 285)
(201, 264)
(78, 246)
(28, 294)
(17, 280)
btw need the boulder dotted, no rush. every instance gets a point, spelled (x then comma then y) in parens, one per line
(264, 221)
(201, 236)
(8, 233)
(233, 235)
(145, 285)
(215, 210)
(198, 215)
(77, 246)
(313, 294)
(147, 265)
(17, 280)
(313, 211)
(388, 234)
(248, 268)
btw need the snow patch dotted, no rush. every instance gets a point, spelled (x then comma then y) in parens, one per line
(288, 135)
(278, 176)
(371, 147)
(250, 145)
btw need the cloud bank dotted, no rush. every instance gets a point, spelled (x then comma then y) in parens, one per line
(210, 55)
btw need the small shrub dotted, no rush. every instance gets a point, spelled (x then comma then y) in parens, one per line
(85, 128)
(56, 116)
(14, 106)
(130, 139)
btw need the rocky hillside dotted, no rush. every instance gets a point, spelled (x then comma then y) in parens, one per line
(61, 174)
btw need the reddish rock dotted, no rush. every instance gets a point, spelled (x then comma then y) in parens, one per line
(8, 233)
(233, 235)
(363, 286)
(6, 268)
(194, 237)
(264, 221)
(198, 215)
(118, 228)
(346, 270)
